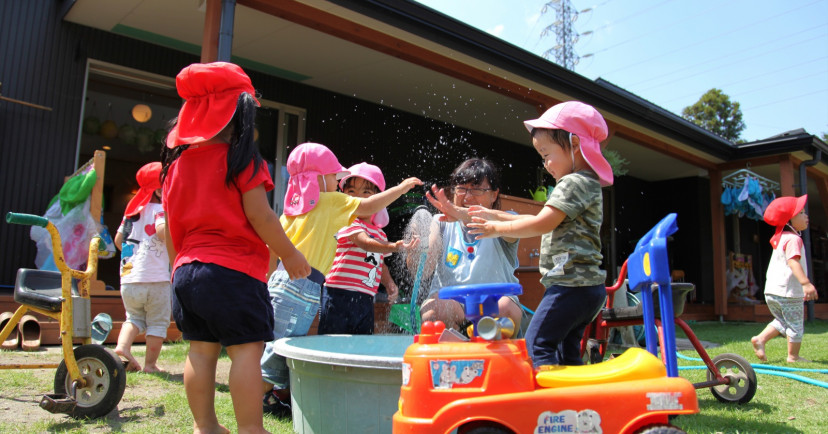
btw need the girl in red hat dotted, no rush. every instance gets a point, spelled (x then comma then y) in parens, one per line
(220, 226)
(787, 285)
(145, 271)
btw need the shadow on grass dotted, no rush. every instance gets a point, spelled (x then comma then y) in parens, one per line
(179, 378)
(710, 415)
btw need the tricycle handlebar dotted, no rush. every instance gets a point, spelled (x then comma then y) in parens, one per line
(26, 219)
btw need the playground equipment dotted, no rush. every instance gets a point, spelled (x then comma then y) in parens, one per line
(730, 377)
(91, 379)
(488, 385)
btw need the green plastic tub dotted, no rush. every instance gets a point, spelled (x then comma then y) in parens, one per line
(344, 383)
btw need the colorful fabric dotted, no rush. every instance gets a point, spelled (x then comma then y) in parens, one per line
(75, 191)
(465, 261)
(780, 279)
(313, 232)
(206, 219)
(143, 255)
(571, 254)
(305, 164)
(355, 269)
(149, 180)
(788, 316)
(211, 93)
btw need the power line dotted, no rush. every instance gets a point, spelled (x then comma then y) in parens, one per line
(810, 93)
(673, 51)
(742, 80)
(730, 55)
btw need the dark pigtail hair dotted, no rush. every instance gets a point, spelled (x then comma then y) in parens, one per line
(242, 147)
(168, 155)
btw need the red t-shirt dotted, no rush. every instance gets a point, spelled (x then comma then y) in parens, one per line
(206, 219)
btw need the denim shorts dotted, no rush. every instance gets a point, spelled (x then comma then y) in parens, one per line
(212, 303)
(295, 305)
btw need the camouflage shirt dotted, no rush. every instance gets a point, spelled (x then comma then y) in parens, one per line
(571, 254)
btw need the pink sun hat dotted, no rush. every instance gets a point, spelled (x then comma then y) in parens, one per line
(304, 164)
(780, 211)
(585, 122)
(372, 174)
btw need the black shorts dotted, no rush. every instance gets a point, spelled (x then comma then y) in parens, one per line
(212, 303)
(346, 312)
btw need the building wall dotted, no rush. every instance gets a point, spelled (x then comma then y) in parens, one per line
(45, 63)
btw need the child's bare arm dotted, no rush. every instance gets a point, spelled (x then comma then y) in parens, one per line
(799, 273)
(171, 253)
(530, 226)
(365, 242)
(267, 227)
(119, 240)
(375, 203)
(390, 286)
(451, 212)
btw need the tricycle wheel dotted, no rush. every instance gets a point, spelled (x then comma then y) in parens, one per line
(661, 429)
(105, 381)
(742, 385)
(593, 351)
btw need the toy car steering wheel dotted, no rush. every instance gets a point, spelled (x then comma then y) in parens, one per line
(480, 299)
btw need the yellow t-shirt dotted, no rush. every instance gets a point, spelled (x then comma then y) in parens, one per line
(313, 232)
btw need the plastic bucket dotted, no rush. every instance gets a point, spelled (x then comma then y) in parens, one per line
(344, 383)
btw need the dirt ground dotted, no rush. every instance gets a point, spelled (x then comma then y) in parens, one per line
(19, 405)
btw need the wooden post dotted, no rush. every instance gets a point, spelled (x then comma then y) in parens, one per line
(210, 37)
(718, 233)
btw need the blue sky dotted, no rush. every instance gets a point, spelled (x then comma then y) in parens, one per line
(769, 56)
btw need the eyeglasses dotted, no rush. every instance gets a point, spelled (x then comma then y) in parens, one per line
(470, 191)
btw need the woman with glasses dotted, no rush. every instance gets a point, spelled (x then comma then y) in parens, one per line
(454, 254)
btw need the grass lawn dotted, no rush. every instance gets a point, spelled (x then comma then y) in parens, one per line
(157, 404)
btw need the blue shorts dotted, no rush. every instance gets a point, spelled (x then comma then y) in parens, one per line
(346, 312)
(295, 305)
(212, 303)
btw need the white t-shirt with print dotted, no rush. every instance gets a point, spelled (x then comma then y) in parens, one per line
(143, 256)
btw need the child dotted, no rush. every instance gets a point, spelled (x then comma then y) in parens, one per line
(145, 271)
(786, 283)
(462, 260)
(314, 212)
(221, 225)
(350, 287)
(567, 137)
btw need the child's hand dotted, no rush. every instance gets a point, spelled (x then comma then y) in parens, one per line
(810, 291)
(393, 292)
(439, 200)
(482, 228)
(482, 212)
(409, 183)
(411, 244)
(296, 265)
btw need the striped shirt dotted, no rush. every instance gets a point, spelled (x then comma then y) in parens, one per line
(354, 269)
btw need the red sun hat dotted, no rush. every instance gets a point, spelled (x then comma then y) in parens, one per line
(149, 180)
(210, 92)
(780, 211)
(585, 122)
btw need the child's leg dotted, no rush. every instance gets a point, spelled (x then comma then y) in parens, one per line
(200, 385)
(124, 347)
(793, 352)
(154, 344)
(511, 309)
(245, 376)
(450, 312)
(761, 339)
(159, 309)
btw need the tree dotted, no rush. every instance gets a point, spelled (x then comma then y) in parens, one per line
(716, 113)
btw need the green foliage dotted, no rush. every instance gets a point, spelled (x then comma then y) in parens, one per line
(716, 113)
(617, 162)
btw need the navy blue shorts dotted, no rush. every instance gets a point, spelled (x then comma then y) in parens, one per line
(346, 312)
(212, 303)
